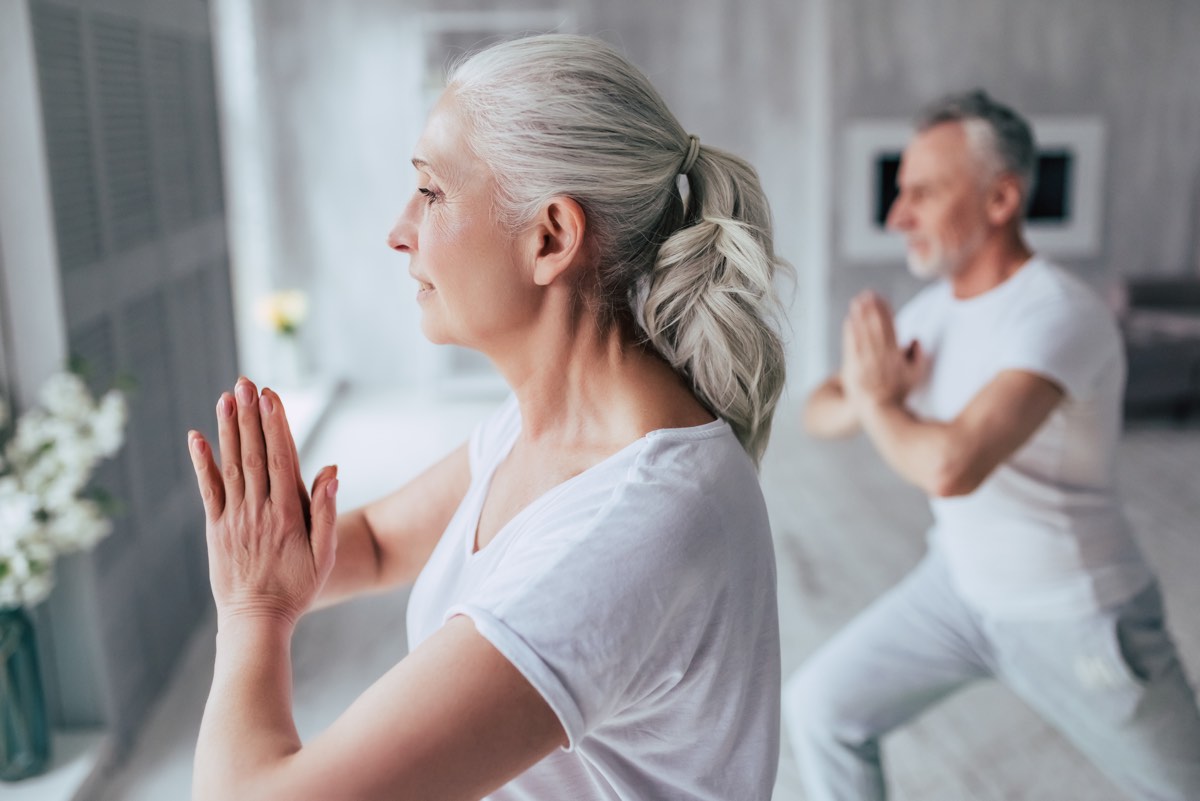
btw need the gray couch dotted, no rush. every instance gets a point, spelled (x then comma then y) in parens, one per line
(1160, 320)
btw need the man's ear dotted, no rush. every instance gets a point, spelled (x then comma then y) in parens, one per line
(557, 235)
(1004, 199)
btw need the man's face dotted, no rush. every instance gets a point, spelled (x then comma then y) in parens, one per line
(941, 204)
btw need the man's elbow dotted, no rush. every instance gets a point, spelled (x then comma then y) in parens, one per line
(820, 423)
(952, 479)
(815, 427)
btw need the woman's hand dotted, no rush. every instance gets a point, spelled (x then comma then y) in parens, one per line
(269, 553)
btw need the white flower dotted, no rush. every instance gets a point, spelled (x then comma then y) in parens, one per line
(65, 395)
(77, 526)
(50, 454)
(17, 515)
(29, 435)
(108, 426)
(24, 582)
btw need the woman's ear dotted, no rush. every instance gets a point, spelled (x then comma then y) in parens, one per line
(558, 235)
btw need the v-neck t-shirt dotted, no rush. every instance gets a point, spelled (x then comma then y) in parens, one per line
(638, 598)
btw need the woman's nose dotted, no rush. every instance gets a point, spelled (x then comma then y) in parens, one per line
(403, 236)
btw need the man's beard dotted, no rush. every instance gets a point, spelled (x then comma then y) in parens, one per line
(940, 262)
(928, 267)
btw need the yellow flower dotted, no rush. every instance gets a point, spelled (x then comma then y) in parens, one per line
(283, 311)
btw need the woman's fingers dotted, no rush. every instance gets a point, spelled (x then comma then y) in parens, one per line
(281, 468)
(301, 490)
(254, 448)
(323, 537)
(231, 449)
(208, 478)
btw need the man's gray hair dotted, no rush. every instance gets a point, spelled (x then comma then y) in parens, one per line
(999, 136)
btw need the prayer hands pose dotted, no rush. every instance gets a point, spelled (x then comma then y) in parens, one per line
(874, 367)
(270, 546)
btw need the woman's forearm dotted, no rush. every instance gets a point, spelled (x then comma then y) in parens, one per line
(356, 568)
(386, 543)
(247, 732)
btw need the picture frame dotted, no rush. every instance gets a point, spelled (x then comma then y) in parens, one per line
(1065, 214)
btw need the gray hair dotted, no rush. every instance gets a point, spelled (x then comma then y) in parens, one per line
(559, 115)
(999, 136)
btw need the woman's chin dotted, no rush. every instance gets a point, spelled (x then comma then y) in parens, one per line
(435, 332)
(435, 335)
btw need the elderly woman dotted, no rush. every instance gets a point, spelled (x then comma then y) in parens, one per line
(593, 615)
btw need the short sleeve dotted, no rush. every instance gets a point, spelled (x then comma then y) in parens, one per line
(1071, 344)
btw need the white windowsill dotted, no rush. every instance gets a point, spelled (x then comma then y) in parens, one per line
(73, 757)
(306, 405)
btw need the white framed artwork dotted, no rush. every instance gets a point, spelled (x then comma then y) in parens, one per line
(1066, 210)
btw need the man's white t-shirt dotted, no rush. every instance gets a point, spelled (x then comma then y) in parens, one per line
(1044, 534)
(638, 598)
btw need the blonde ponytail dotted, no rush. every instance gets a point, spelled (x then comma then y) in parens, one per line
(559, 115)
(710, 302)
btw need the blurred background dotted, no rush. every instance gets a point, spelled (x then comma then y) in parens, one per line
(168, 166)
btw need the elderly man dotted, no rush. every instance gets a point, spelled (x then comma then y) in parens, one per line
(997, 391)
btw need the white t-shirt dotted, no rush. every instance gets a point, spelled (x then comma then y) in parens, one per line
(638, 598)
(1044, 534)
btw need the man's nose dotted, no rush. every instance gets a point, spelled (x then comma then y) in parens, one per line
(898, 216)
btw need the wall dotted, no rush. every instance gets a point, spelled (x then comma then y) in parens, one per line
(342, 97)
(1135, 65)
(736, 75)
(133, 280)
(775, 81)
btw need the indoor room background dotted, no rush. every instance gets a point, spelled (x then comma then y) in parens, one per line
(167, 165)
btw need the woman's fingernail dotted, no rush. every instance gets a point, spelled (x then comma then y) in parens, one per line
(267, 404)
(225, 406)
(331, 489)
(245, 394)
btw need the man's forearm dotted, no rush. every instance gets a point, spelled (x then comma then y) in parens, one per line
(828, 414)
(921, 451)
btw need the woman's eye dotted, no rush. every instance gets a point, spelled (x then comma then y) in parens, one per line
(431, 195)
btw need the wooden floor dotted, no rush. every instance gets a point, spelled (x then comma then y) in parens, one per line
(845, 531)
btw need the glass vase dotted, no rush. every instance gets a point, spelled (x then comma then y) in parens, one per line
(24, 733)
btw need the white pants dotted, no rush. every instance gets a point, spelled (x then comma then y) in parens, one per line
(1111, 683)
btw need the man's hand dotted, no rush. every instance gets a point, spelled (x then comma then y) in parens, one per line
(875, 369)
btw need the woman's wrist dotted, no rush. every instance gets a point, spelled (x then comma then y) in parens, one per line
(259, 623)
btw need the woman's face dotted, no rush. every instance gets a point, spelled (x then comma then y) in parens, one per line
(473, 288)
